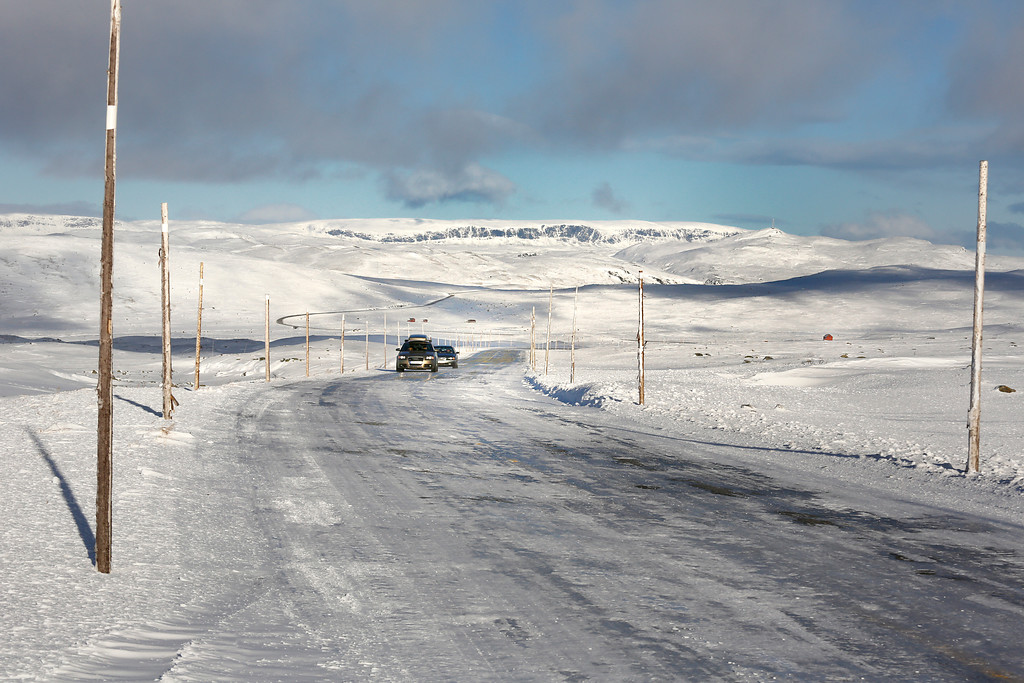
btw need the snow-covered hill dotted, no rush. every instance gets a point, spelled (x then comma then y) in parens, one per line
(738, 367)
(768, 295)
(770, 254)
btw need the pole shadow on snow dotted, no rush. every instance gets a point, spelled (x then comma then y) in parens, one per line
(151, 411)
(84, 530)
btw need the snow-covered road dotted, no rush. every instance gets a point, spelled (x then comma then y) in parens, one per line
(461, 526)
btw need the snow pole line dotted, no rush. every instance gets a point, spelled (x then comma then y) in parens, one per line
(266, 338)
(640, 343)
(199, 328)
(974, 412)
(547, 343)
(104, 390)
(165, 314)
(572, 336)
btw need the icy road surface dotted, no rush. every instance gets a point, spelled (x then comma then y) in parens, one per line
(459, 526)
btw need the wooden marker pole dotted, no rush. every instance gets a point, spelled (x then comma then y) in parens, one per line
(307, 343)
(343, 343)
(266, 339)
(367, 343)
(572, 347)
(641, 343)
(165, 307)
(104, 389)
(533, 339)
(974, 413)
(199, 327)
(547, 344)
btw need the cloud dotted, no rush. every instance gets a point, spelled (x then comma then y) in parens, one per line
(985, 79)
(754, 220)
(603, 197)
(242, 89)
(472, 183)
(421, 94)
(1003, 237)
(879, 224)
(1017, 208)
(925, 148)
(61, 209)
(277, 213)
(258, 88)
(635, 69)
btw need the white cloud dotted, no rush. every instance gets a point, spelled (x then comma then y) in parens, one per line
(471, 183)
(882, 224)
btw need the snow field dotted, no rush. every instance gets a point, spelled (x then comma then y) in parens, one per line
(883, 406)
(908, 409)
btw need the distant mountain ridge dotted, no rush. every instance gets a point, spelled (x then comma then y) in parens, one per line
(582, 233)
(414, 230)
(48, 221)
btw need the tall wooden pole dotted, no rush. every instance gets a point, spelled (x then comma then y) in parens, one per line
(266, 339)
(974, 414)
(104, 390)
(572, 346)
(165, 306)
(307, 343)
(367, 343)
(547, 344)
(641, 343)
(199, 327)
(343, 343)
(533, 339)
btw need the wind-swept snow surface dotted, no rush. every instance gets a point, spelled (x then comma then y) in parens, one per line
(781, 507)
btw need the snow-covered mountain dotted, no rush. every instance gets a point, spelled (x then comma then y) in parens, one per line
(594, 232)
(48, 264)
(770, 254)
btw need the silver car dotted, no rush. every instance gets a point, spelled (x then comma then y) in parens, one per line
(416, 354)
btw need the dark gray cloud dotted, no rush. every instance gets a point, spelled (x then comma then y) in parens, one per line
(241, 89)
(54, 77)
(604, 197)
(986, 82)
(700, 67)
(427, 96)
(923, 149)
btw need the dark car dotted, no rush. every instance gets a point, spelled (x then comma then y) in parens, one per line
(447, 355)
(417, 353)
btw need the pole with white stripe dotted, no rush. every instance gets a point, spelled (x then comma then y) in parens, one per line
(165, 306)
(104, 389)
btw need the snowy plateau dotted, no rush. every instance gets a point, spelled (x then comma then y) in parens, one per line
(781, 506)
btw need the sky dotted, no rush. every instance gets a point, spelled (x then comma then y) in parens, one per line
(854, 119)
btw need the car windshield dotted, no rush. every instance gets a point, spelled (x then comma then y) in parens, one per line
(417, 346)
(444, 349)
